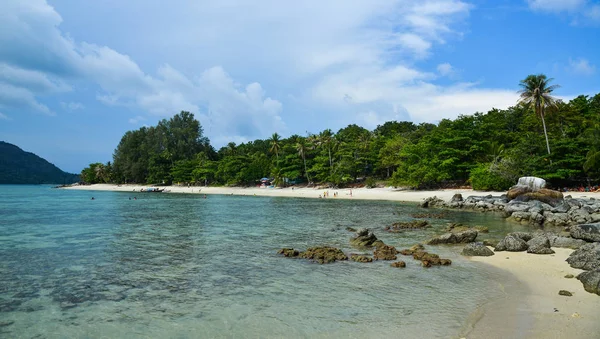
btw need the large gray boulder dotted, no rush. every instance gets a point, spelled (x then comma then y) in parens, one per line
(477, 249)
(589, 232)
(539, 245)
(526, 236)
(516, 206)
(591, 281)
(556, 219)
(579, 216)
(587, 257)
(511, 243)
(454, 238)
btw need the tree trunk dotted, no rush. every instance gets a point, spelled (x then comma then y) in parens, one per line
(545, 133)
(305, 171)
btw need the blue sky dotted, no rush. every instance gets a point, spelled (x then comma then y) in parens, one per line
(76, 75)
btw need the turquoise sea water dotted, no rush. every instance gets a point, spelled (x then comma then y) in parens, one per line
(180, 266)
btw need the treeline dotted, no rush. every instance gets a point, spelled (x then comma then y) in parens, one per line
(488, 151)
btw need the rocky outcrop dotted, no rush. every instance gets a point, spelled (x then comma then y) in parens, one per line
(477, 249)
(410, 225)
(365, 238)
(429, 259)
(324, 254)
(587, 257)
(539, 245)
(360, 258)
(458, 227)
(398, 264)
(385, 252)
(511, 243)
(591, 281)
(589, 232)
(454, 238)
(288, 252)
(431, 201)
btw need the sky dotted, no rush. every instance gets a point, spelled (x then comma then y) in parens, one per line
(76, 75)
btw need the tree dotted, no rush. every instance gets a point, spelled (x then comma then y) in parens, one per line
(302, 148)
(275, 144)
(536, 92)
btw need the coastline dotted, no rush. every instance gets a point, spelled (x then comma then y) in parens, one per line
(532, 281)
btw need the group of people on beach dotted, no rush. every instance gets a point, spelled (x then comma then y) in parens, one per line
(335, 194)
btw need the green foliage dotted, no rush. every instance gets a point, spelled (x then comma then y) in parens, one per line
(483, 179)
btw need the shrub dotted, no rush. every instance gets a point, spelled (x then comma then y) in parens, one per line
(482, 179)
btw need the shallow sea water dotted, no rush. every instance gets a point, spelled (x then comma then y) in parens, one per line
(180, 266)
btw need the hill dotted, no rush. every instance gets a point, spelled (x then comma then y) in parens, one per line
(20, 167)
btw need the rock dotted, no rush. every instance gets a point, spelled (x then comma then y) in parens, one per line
(490, 242)
(324, 254)
(595, 217)
(550, 197)
(591, 281)
(288, 252)
(563, 207)
(534, 183)
(364, 238)
(432, 201)
(457, 198)
(516, 206)
(526, 236)
(414, 248)
(539, 245)
(565, 293)
(511, 243)
(411, 225)
(6, 323)
(430, 259)
(360, 258)
(516, 191)
(579, 216)
(587, 257)
(589, 232)
(351, 229)
(477, 249)
(569, 276)
(441, 215)
(566, 242)
(398, 264)
(521, 216)
(557, 219)
(457, 227)
(454, 238)
(385, 252)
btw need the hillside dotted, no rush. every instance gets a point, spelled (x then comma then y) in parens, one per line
(20, 167)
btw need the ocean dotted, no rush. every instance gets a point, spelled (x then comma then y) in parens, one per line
(181, 266)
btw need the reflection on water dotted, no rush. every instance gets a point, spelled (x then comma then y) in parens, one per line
(178, 266)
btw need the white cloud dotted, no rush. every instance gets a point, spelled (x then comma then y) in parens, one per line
(581, 67)
(137, 120)
(72, 106)
(445, 69)
(3, 117)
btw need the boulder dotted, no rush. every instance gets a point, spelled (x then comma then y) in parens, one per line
(565, 293)
(398, 264)
(579, 216)
(516, 206)
(454, 238)
(477, 249)
(457, 198)
(539, 245)
(587, 257)
(432, 201)
(323, 254)
(563, 207)
(589, 232)
(565, 242)
(547, 196)
(534, 183)
(556, 219)
(526, 236)
(288, 252)
(385, 252)
(430, 259)
(511, 243)
(520, 216)
(365, 238)
(516, 191)
(414, 248)
(360, 258)
(591, 281)
(410, 225)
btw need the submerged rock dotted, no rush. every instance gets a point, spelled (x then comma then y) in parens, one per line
(414, 248)
(398, 264)
(288, 252)
(477, 249)
(410, 225)
(365, 238)
(587, 257)
(591, 281)
(385, 252)
(589, 232)
(454, 238)
(360, 258)
(324, 254)
(430, 259)
(511, 243)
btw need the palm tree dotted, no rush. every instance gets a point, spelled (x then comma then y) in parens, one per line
(592, 160)
(536, 92)
(275, 144)
(302, 148)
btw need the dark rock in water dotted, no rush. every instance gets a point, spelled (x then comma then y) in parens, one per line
(539, 245)
(525, 236)
(411, 225)
(398, 264)
(457, 198)
(324, 255)
(441, 215)
(477, 249)
(430, 259)
(6, 323)
(457, 227)
(350, 229)
(364, 238)
(360, 258)
(565, 293)
(432, 201)
(591, 281)
(511, 243)
(385, 252)
(414, 248)
(587, 257)
(589, 232)
(454, 238)
(569, 276)
(288, 252)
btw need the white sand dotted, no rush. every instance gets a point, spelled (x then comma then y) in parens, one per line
(533, 308)
(527, 311)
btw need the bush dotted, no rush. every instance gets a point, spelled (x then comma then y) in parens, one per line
(370, 182)
(482, 179)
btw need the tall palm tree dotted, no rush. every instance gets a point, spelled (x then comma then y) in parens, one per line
(302, 148)
(275, 144)
(592, 160)
(536, 92)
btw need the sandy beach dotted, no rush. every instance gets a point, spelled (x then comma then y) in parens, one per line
(531, 308)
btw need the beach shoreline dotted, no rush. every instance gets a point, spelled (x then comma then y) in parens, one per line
(531, 308)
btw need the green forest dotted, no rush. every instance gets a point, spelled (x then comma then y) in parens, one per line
(539, 136)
